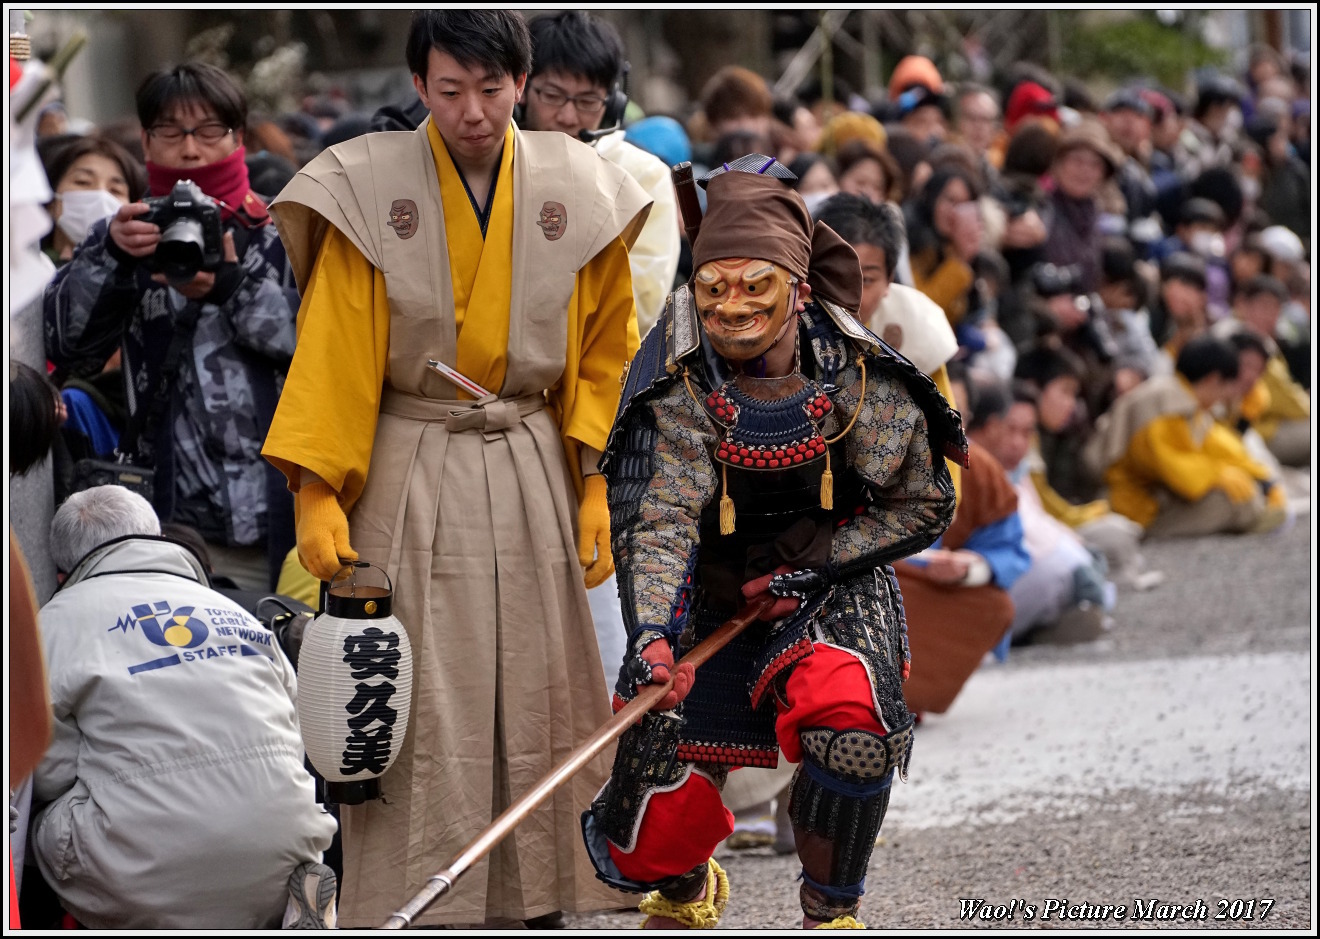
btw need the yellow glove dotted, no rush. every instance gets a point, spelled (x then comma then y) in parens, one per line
(1237, 483)
(594, 533)
(322, 529)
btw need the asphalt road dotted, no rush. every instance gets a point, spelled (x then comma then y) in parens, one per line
(1167, 763)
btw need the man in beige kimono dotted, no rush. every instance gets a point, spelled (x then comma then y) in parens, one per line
(504, 256)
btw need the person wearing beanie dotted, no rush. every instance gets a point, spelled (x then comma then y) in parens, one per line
(1084, 160)
(768, 450)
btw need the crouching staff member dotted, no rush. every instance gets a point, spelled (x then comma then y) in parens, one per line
(766, 445)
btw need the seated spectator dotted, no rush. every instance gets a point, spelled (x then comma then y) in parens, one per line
(1250, 397)
(902, 316)
(1283, 414)
(175, 795)
(976, 121)
(1200, 232)
(1171, 467)
(817, 178)
(1286, 187)
(733, 99)
(736, 144)
(956, 592)
(910, 154)
(917, 100)
(1065, 424)
(1100, 529)
(1122, 306)
(944, 235)
(1064, 595)
(1085, 159)
(1179, 313)
(869, 171)
(1069, 318)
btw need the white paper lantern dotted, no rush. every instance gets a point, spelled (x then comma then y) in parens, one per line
(354, 688)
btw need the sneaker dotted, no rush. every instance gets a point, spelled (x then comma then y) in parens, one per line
(1082, 623)
(311, 898)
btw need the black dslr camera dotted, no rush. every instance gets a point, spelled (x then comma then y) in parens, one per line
(1052, 280)
(191, 237)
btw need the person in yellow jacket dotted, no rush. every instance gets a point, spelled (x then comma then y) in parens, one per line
(1277, 406)
(1171, 467)
(467, 314)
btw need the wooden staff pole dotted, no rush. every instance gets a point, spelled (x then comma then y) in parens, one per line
(440, 884)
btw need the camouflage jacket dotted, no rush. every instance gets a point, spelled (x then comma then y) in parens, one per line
(206, 449)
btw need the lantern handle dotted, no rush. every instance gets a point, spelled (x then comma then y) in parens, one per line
(354, 566)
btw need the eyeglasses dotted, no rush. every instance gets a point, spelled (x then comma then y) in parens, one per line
(212, 132)
(584, 104)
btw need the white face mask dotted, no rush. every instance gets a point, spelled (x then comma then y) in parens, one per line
(80, 209)
(1208, 244)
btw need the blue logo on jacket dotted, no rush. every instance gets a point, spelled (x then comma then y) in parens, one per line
(182, 628)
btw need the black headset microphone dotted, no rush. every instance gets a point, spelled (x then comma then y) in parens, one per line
(615, 104)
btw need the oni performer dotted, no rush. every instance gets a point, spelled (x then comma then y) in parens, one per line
(484, 510)
(767, 446)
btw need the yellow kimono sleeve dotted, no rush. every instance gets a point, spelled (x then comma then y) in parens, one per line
(602, 337)
(1166, 448)
(326, 417)
(1074, 516)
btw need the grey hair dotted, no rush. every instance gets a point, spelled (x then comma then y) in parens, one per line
(88, 519)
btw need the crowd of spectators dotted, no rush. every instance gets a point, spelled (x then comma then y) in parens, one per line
(1114, 291)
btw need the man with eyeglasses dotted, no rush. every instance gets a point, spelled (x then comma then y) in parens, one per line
(202, 359)
(576, 60)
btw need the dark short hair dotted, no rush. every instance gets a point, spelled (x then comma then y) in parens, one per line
(576, 43)
(1207, 355)
(856, 151)
(191, 81)
(1024, 392)
(496, 40)
(1045, 362)
(33, 423)
(803, 163)
(992, 399)
(1185, 267)
(58, 158)
(1244, 340)
(1262, 284)
(859, 221)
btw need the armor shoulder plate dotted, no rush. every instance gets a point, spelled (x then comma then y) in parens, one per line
(944, 422)
(863, 338)
(674, 337)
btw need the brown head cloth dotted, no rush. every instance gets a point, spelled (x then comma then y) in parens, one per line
(749, 215)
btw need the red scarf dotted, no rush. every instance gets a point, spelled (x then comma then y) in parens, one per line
(225, 180)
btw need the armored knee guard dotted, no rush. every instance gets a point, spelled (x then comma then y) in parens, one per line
(840, 795)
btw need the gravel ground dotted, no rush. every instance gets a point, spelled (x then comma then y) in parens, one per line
(1228, 597)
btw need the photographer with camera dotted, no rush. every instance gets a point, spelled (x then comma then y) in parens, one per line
(193, 285)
